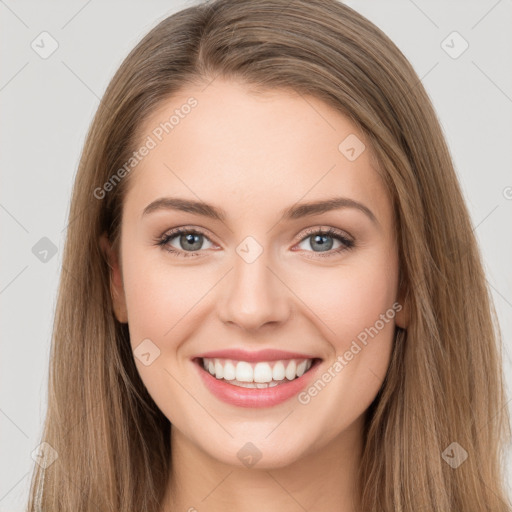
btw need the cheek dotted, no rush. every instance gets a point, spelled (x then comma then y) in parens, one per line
(358, 310)
(350, 298)
(160, 301)
(159, 296)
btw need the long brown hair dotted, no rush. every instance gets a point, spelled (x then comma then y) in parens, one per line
(444, 384)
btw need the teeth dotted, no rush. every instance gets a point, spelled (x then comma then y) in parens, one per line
(256, 375)
(219, 370)
(278, 371)
(262, 373)
(257, 385)
(301, 368)
(291, 370)
(244, 372)
(229, 371)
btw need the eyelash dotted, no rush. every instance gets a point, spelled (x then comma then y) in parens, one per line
(332, 233)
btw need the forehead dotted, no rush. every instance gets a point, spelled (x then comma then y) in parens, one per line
(224, 142)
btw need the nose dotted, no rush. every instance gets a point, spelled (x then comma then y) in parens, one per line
(253, 295)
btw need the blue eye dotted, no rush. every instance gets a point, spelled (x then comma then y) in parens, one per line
(191, 241)
(322, 239)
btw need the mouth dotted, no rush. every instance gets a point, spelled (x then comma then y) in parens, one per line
(255, 383)
(256, 375)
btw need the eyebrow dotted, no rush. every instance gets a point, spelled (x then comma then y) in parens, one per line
(296, 211)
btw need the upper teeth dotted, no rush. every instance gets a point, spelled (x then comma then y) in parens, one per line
(244, 371)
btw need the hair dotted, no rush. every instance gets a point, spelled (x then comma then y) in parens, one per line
(444, 383)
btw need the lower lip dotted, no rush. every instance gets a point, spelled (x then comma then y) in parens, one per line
(254, 397)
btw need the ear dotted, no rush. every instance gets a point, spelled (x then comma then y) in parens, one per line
(116, 280)
(402, 316)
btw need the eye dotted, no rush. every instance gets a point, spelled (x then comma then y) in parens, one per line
(322, 240)
(190, 240)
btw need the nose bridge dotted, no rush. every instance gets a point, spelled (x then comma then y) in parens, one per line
(253, 295)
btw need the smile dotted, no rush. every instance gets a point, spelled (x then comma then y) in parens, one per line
(256, 375)
(255, 384)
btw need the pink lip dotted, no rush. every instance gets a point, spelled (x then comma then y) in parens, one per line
(253, 397)
(260, 355)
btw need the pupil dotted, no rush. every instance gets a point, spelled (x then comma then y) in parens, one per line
(322, 244)
(190, 240)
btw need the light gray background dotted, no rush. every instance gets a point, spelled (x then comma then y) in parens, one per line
(47, 105)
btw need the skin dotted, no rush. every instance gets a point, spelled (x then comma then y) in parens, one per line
(254, 155)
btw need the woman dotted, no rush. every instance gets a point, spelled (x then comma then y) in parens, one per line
(272, 297)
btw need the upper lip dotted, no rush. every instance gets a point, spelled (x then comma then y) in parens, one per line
(259, 355)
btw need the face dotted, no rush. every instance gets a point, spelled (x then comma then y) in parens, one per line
(316, 283)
